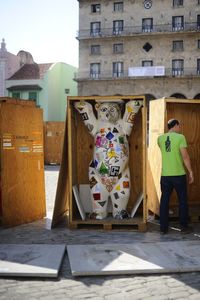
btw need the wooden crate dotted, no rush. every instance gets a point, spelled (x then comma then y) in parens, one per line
(79, 152)
(53, 142)
(21, 162)
(188, 112)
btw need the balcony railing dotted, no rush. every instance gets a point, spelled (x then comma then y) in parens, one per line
(134, 30)
(169, 72)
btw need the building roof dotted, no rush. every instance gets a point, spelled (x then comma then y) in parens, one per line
(24, 87)
(31, 71)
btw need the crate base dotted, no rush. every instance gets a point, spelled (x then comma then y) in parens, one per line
(130, 224)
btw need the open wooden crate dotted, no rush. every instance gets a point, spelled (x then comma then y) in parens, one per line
(74, 171)
(188, 112)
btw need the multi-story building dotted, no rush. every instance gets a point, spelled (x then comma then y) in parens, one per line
(134, 47)
(47, 84)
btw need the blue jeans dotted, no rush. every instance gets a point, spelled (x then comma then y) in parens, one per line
(168, 183)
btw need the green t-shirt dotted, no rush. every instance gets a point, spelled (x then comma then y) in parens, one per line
(172, 162)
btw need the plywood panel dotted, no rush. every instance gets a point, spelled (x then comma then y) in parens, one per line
(188, 112)
(189, 115)
(61, 206)
(84, 151)
(156, 127)
(53, 142)
(22, 163)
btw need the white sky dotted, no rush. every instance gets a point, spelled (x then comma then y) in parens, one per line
(45, 28)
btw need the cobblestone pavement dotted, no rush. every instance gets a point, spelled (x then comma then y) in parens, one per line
(158, 287)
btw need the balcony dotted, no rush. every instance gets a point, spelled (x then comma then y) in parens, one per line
(135, 30)
(169, 72)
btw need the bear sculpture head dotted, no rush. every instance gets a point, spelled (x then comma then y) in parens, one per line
(108, 112)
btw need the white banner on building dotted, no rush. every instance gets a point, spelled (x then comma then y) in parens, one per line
(146, 71)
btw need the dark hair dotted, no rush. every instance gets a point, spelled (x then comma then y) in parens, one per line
(171, 123)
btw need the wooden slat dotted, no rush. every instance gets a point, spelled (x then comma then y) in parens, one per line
(61, 206)
(53, 142)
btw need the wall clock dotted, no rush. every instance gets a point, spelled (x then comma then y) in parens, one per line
(147, 4)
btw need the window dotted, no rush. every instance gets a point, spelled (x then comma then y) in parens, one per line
(198, 66)
(177, 2)
(94, 70)
(177, 46)
(95, 8)
(95, 49)
(32, 96)
(147, 63)
(118, 27)
(198, 44)
(147, 25)
(177, 67)
(118, 48)
(118, 69)
(147, 47)
(16, 94)
(177, 23)
(118, 6)
(198, 21)
(95, 28)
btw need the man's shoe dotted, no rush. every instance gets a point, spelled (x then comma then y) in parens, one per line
(186, 230)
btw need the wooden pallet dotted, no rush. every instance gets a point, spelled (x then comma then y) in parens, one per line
(130, 224)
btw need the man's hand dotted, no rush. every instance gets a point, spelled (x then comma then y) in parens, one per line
(191, 177)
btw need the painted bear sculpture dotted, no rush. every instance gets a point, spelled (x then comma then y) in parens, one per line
(109, 174)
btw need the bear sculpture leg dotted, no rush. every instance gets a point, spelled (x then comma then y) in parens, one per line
(103, 188)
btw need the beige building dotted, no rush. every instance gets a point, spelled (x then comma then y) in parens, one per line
(134, 47)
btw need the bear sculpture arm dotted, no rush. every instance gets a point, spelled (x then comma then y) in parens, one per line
(86, 111)
(131, 109)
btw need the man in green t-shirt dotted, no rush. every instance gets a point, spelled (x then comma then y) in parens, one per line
(175, 158)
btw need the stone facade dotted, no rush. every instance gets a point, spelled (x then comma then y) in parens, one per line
(116, 37)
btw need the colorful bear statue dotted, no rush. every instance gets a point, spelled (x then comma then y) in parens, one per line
(109, 174)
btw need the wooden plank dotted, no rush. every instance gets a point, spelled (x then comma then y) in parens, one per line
(53, 142)
(144, 159)
(70, 162)
(61, 206)
(22, 163)
(156, 127)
